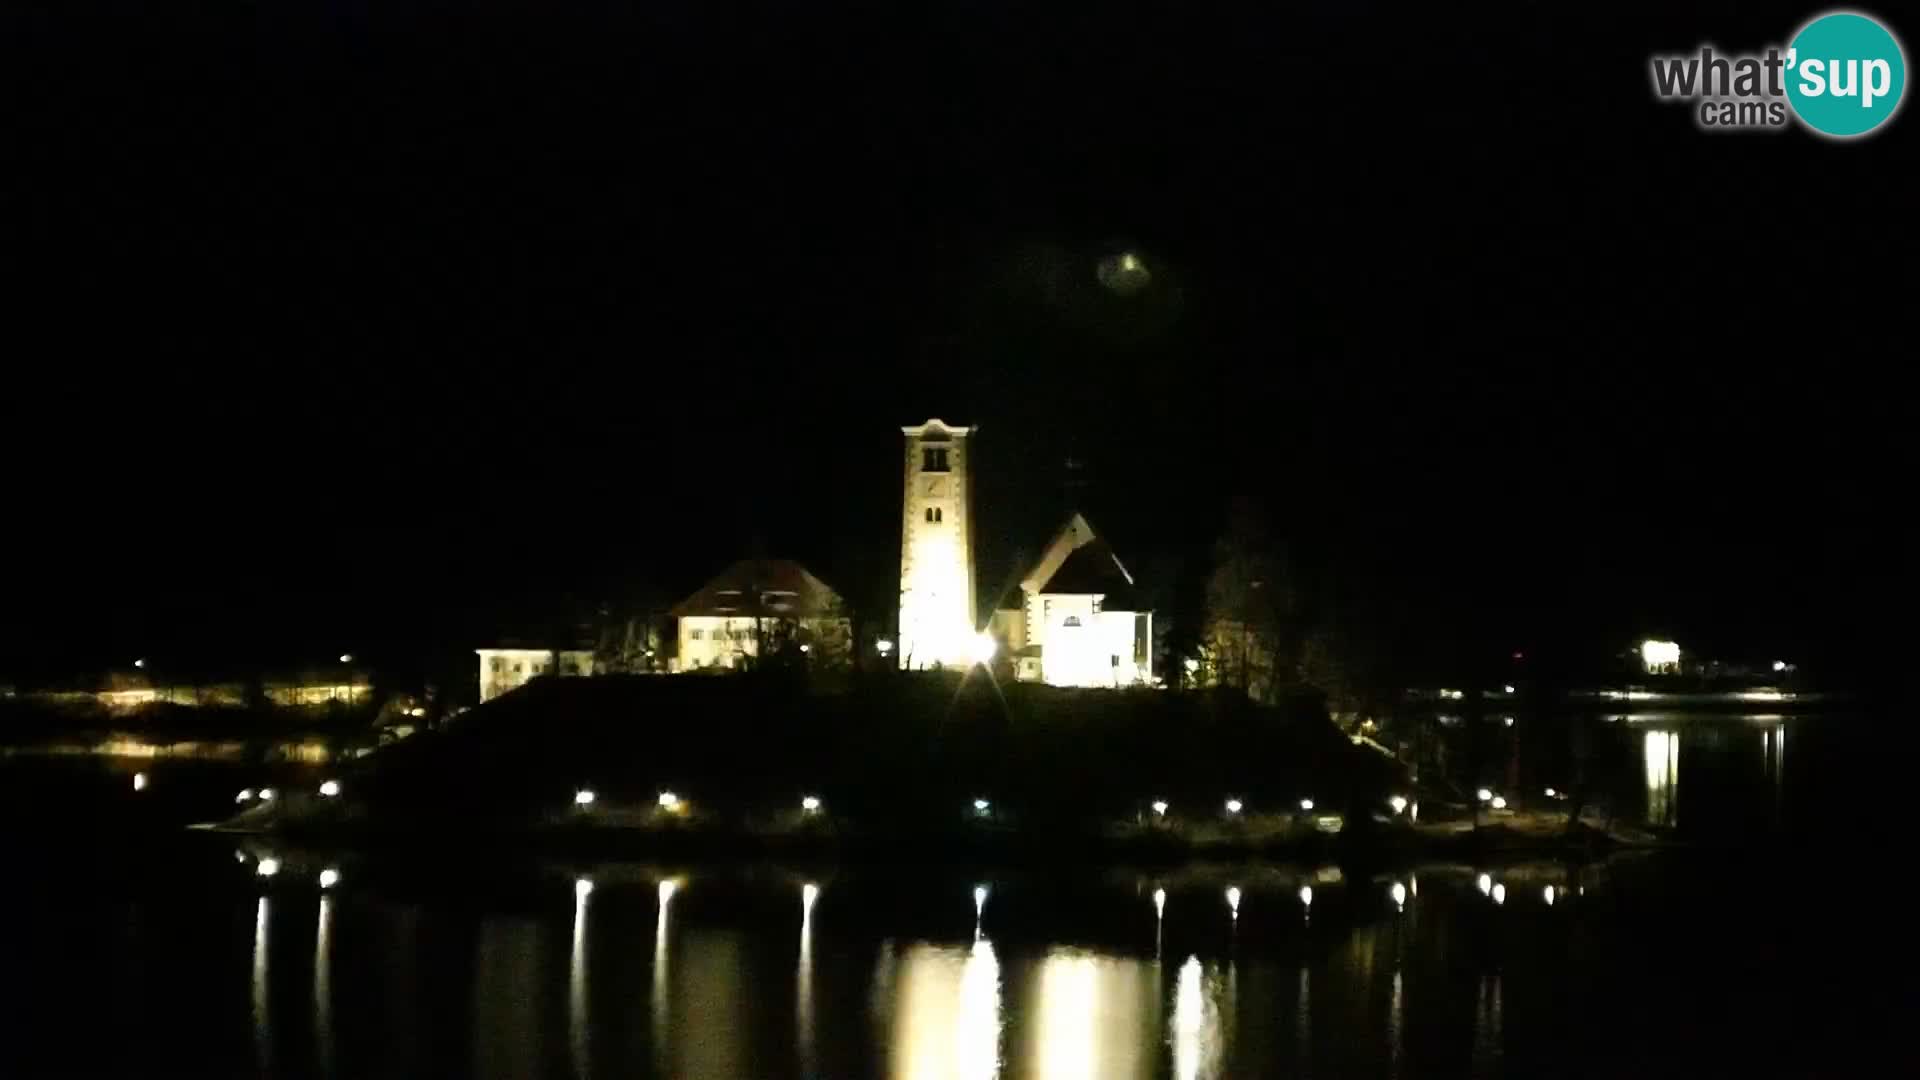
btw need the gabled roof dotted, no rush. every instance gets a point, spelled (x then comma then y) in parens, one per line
(1093, 569)
(763, 588)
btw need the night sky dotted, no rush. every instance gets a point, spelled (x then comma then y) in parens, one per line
(373, 325)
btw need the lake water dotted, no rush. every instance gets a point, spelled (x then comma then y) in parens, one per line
(179, 958)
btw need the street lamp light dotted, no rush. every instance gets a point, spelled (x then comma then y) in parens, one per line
(1233, 806)
(883, 646)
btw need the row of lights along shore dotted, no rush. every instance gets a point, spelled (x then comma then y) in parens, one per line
(585, 798)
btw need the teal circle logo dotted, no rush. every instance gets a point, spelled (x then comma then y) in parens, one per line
(1845, 74)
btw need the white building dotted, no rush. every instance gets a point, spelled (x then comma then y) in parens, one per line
(502, 670)
(1079, 621)
(937, 627)
(758, 601)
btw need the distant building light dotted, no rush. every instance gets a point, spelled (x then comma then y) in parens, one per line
(583, 797)
(416, 712)
(268, 867)
(806, 648)
(1306, 804)
(1233, 806)
(1551, 794)
(1507, 689)
(141, 662)
(1160, 807)
(1508, 720)
(329, 878)
(1192, 665)
(810, 803)
(668, 801)
(139, 781)
(1499, 802)
(1779, 665)
(346, 658)
(981, 806)
(1484, 795)
(1660, 656)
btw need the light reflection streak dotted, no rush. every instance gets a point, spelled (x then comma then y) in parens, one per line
(577, 1030)
(1488, 1038)
(1396, 1028)
(947, 1013)
(803, 988)
(262, 1021)
(1663, 777)
(1196, 1026)
(1303, 1022)
(1068, 1002)
(323, 986)
(660, 979)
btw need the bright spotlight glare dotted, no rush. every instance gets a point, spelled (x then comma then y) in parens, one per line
(983, 648)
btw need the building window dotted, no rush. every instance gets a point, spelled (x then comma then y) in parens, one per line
(498, 664)
(933, 459)
(1096, 605)
(517, 667)
(1072, 620)
(698, 634)
(933, 515)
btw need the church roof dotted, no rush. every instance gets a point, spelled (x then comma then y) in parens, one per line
(1093, 569)
(763, 588)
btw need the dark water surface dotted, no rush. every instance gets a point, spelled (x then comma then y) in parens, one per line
(179, 958)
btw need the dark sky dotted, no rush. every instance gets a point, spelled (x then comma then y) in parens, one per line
(365, 322)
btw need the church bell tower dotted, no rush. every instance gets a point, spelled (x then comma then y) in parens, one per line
(937, 626)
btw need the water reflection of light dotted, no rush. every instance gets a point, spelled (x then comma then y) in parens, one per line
(1663, 777)
(1484, 883)
(947, 1013)
(1499, 894)
(979, 904)
(803, 980)
(1306, 896)
(1488, 1023)
(262, 1021)
(1233, 900)
(1548, 895)
(660, 977)
(323, 987)
(1396, 1028)
(1196, 1026)
(1159, 903)
(577, 979)
(1399, 894)
(1066, 1034)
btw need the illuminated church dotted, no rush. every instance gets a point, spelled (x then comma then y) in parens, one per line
(1077, 621)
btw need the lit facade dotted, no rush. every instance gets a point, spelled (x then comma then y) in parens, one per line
(1078, 622)
(937, 627)
(758, 604)
(502, 670)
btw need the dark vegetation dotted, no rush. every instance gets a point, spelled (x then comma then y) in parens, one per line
(889, 753)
